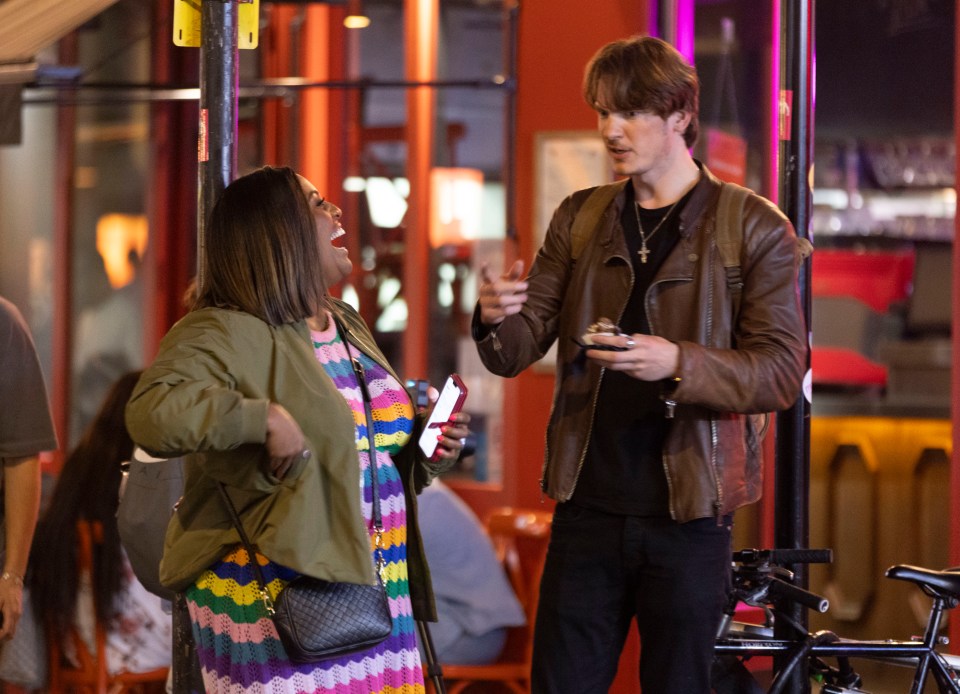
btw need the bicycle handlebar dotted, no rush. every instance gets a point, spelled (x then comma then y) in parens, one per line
(781, 589)
(784, 556)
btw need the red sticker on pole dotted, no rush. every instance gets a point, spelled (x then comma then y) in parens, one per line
(203, 139)
(786, 113)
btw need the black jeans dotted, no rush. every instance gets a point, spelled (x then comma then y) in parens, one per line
(601, 571)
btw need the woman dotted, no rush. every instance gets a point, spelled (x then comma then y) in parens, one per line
(138, 629)
(256, 386)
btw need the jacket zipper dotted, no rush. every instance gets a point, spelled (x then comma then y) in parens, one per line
(593, 404)
(495, 338)
(586, 444)
(586, 441)
(718, 504)
(671, 405)
(714, 436)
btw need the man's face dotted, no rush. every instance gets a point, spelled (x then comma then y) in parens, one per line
(639, 143)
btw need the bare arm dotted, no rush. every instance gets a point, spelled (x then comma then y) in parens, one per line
(21, 496)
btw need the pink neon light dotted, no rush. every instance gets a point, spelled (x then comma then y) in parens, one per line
(685, 25)
(773, 180)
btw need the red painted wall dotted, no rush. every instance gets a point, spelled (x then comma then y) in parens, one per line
(552, 56)
(557, 38)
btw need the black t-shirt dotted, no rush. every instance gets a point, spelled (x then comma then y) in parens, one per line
(623, 467)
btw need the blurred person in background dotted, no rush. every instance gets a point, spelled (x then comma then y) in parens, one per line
(475, 601)
(139, 635)
(26, 429)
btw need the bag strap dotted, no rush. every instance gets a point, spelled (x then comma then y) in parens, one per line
(251, 555)
(360, 374)
(729, 235)
(588, 217)
(729, 231)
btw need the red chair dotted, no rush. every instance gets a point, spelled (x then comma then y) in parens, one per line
(851, 293)
(520, 538)
(90, 675)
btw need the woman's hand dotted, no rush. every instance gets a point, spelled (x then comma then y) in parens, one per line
(452, 436)
(285, 442)
(11, 604)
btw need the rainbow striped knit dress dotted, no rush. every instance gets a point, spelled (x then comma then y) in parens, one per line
(237, 643)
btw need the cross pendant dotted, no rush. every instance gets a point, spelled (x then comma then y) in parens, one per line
(643, 253)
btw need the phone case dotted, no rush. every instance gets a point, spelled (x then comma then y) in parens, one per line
(451, 401)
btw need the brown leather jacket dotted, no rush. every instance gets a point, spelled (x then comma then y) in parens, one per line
(729, 365)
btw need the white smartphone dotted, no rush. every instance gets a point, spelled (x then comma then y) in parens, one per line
(451, 399)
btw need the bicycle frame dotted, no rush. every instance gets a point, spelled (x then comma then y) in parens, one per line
(920, 654)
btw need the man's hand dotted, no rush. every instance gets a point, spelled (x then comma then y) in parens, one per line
(501, 297)
(21, 495)
(645, 357)
(11, 604)
(285, 442)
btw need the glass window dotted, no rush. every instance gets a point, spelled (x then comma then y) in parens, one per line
(468, 222)
(732, 55)
(109, 223)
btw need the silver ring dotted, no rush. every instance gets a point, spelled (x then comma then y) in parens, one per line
(305, 453)
(463, 442)
(630, 343)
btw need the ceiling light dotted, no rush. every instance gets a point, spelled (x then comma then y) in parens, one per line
(356, 21)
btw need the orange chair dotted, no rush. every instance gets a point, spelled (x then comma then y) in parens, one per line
(520, 538)
(91, 676)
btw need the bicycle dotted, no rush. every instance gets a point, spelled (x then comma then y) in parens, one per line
(761, 580)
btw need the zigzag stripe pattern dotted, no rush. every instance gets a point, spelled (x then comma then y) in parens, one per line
(237, 642)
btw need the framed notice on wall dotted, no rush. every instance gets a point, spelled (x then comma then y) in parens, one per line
(566, 161)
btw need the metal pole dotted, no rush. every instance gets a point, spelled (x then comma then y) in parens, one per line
(434, 669)
(511, 9)
(217, 158)
(665, 21)
(219, 87)
(792, 476)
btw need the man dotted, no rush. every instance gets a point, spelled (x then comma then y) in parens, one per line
(649, 450)
(25, 430)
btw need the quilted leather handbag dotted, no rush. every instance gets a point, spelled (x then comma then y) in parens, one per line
(318, 619)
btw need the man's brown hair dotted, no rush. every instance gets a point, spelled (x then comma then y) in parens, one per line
(644, 73)
(262, 252)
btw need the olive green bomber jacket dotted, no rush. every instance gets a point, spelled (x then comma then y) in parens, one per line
(206, 397)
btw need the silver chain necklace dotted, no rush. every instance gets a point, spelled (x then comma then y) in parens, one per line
(644, 251)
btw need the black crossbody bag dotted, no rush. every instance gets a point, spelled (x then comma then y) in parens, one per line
(316, 619)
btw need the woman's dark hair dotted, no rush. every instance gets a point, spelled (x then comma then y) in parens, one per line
(87, 488)
(262, 254)
(647, 74)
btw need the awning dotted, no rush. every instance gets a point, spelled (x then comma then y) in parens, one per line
(28, 26)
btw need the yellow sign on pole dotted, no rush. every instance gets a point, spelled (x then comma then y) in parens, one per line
(186, 23)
